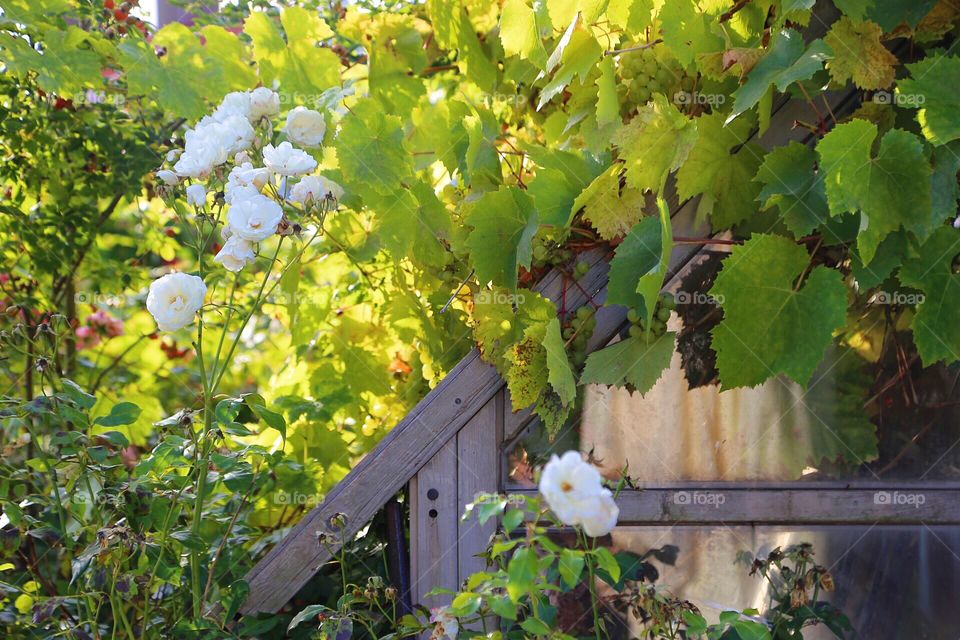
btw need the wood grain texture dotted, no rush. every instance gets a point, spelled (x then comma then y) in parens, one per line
(926, 506)
(434, 536)
(478, 474)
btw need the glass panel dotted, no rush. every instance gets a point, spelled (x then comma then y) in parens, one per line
(891, 582)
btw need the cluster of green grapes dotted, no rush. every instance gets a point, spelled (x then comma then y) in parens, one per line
(429, 371)
(658, 325)
(547, 252)
(577, 331)
(649, 71)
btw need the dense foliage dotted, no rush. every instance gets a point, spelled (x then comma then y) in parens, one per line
(478, 145)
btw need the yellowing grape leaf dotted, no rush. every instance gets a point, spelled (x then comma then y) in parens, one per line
(654, 143)
(611, 210)
(859, 54)
(770, 325)
(501, 318)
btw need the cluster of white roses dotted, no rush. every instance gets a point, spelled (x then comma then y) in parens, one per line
(575, 493)
(235, 134)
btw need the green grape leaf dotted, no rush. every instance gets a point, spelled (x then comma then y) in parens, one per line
(504, 223)
(302, 68)
(787, 61)
(640, 255)
(34, 12)
(611, 210)
(481, 159)
(520, 30)
(564, 11)
(889, 14)
(889, 257)
(412, 224)
(554, 196)
(65, 67)
(439, 134)
(856, 9)
(631, 15)
(770, 326)
(561, 177)
(654, 143)
(723, 177)
(888, 190)
(859, 54)
(687, 31)
(792, 185)
(473, 60)
(944, 187)
(190, 73)
(608, 105)
(636, 363)
(371, 151)
(934, 93)
(578, 57)
(935, 322)
(560, 374)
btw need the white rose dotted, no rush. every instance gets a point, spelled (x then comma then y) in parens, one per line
(196, 195)
(242, 157)
(315, 188)
(173, 154)
(263, 102)
(255, 218)
(174, 299)
(234, 193)
(235, 134)
(247, 175)
(575, 493)
(168, 177)
(235, 254)
(599, 516)
(236, 103)
(287, 160)
(305, 126)
(204, 150)
(198, 164)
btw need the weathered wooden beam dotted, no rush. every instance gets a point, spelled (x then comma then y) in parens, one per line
(716, 505)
